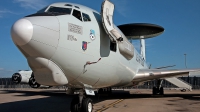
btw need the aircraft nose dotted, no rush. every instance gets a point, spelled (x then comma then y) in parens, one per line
(22, 32)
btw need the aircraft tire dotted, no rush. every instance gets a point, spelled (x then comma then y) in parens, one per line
(87, 105)
(74, 107)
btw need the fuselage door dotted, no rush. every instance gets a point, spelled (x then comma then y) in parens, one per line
(107, 17)
(125, 47)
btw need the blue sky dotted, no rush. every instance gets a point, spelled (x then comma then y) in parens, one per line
(180, 18)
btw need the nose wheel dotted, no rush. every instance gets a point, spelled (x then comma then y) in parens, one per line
(81, 104)
(87, 105)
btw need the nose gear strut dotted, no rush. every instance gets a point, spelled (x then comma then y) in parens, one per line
(80, 103)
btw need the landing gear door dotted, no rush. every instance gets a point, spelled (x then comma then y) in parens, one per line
(107, 17)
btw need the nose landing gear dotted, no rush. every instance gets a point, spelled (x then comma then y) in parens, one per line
(81, 104)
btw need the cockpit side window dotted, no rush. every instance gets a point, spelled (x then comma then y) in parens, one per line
(59, 10)
(77, 14)
(86, 17)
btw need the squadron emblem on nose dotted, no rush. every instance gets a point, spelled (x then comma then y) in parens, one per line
(92, 35)
(84, 45)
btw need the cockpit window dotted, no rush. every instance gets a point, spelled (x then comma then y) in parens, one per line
(68, 5)
(77, 14)
(42, 10)
(77, 7)
(86, 17)
(59, 10)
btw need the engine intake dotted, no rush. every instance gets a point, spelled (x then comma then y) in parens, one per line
(16, 78)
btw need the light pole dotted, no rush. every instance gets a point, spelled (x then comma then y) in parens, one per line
(185, 61)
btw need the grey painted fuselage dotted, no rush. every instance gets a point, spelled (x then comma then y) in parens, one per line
(112, 70)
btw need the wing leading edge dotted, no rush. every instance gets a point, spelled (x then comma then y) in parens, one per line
(150, 74)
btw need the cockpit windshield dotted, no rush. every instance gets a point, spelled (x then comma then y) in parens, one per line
(59, 10)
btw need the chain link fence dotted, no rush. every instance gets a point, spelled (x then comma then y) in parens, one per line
(6, 83)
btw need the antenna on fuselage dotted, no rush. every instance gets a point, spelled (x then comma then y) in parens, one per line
(141, 31)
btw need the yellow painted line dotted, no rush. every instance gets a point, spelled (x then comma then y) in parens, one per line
(110, 105)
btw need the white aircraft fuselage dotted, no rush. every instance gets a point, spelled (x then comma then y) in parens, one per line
(64, 50)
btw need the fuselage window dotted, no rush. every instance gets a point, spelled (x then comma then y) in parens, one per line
(113, 46)
(86, 17)
(77, 14)
(59, 10)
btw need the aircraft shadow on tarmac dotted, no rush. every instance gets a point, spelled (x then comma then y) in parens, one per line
(120, 94)
(53, 102)
(58, 101)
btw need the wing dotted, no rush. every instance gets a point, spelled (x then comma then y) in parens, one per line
(151, 74)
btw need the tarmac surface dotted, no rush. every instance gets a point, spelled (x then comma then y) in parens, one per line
(41, 100)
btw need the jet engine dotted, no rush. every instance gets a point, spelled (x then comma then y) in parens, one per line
(32, 82)
(26, 77)
(21, 77)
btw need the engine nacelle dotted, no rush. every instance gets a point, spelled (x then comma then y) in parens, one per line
(27, 77)
(32, 82)
(46, 72)
(21, 77)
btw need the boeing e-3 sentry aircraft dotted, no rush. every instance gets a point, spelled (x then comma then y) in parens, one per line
(71, 44)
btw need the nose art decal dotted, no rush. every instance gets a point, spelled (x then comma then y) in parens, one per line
(92, 35)
(84, 45)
